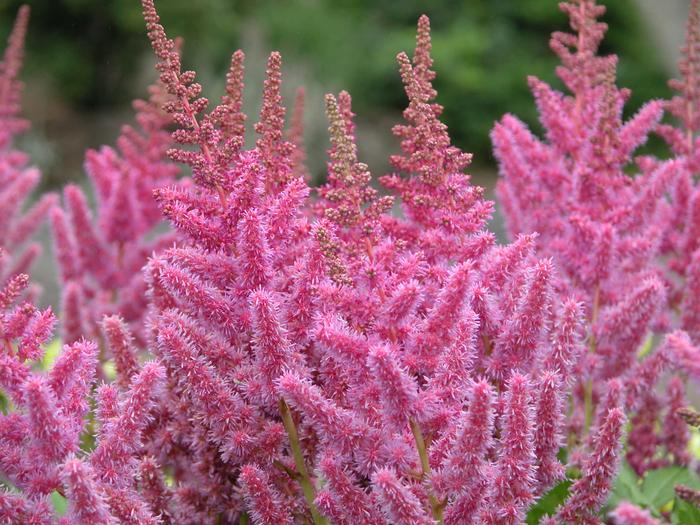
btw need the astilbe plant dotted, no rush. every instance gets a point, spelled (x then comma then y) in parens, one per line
(335, 363)
(17, 179)
(681, 241)
(100, 259)
(605, 229)
(322, 360)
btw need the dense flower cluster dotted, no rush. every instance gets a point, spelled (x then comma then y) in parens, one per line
(607, 229)
(316, 358)
(101, 260)
(17, 179)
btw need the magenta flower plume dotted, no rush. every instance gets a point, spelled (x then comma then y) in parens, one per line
(64, 245)
(453, 373)
(515, 468)
(398, 503)
(348, 200)
(687, 96)
(274, 149)
(126, 507)
(435, 164)
(211, 397)
(17, 179)
(521, 335)
(590, 491)
(352, 502)
(337, 426)
(10, 85)
(86, 504)
(92, 251)
(682, 352)
(399, 391)
(255, 256)
(230, 112)
(121, 435)
(636, 309)
(675, 436)
(296, 332)
(101, 253)
(628, 514)
(16, 510)
(73, 313)
(264, 503)
(153, 489)
(466, 461)
(548, 434)
(566, 349)
(107, 396)
(620, 230)
(121, 344)
(49, 434)
(681, 236)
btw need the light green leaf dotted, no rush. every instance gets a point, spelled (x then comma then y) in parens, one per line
(658, 485)
(694, 444)
(51, 353)
(685, 513)
(627, 488)
(60, 504)
(548, 503)
(646, 347)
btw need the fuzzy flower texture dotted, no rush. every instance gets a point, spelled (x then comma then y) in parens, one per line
(286, 354)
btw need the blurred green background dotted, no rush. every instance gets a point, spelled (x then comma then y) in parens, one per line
(86, 59)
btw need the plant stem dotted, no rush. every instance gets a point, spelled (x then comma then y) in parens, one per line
(304, 479)
(425, 468)
(588, 389)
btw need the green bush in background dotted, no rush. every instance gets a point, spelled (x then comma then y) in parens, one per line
(483, 49)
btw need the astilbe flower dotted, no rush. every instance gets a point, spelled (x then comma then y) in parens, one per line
(604, 229)
(40, 431)
(589, 492)
(44, 412)
(329, 361)
(628, 514)
(444, 209)
(100, 257)
(17, 178)
(688, 494)
(681, 241)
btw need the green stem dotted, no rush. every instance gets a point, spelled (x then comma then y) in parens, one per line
(588, 388)
(588, 405)
(425, 468)
(245, 520)
(304, 479)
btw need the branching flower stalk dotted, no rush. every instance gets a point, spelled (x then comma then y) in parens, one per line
(608, 232)
(592, 349)
(305, 480)
(436, 506)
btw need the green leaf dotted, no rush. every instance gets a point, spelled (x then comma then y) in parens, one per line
(646, 346)
(60, 504)
(563, 455)
(658, 485)
(685, 513)
(627, 488)
(548, 503)
(51, 353)
(694, 444)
